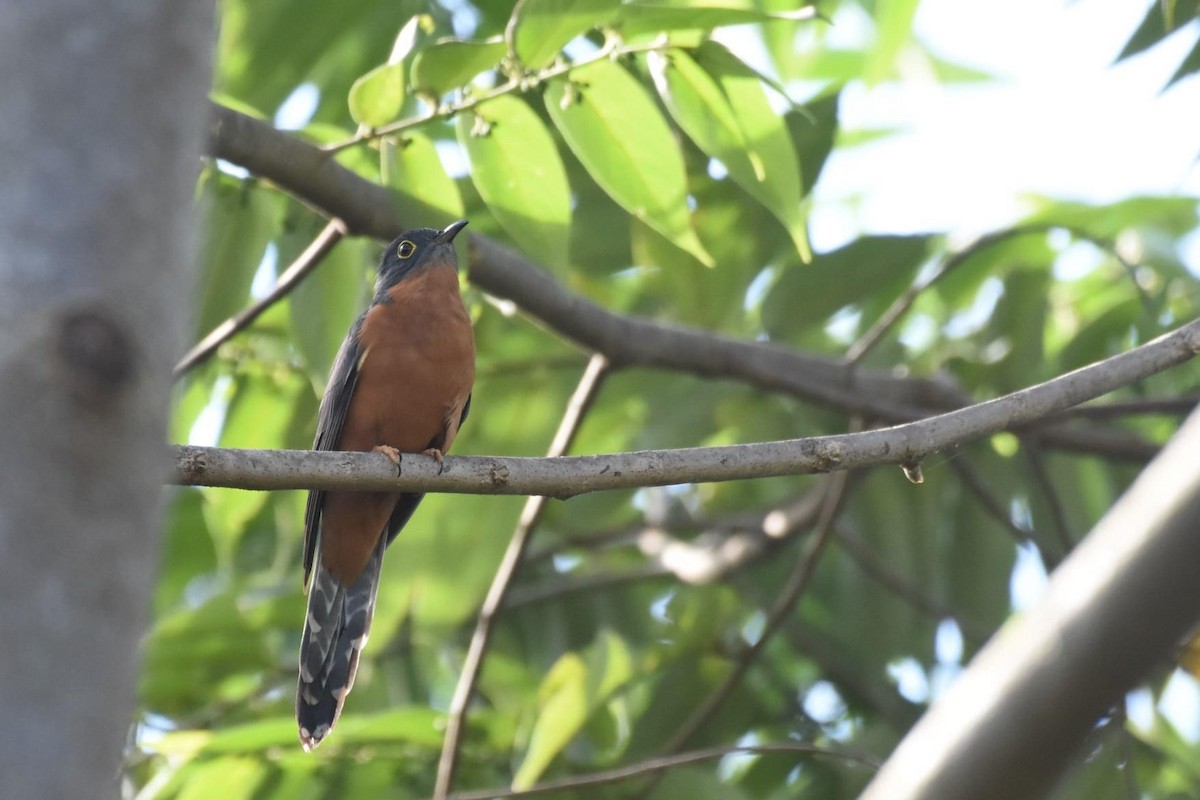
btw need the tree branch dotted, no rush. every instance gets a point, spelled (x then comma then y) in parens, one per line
(369, 209)
(564, 477)
(653, 765)
(835, 493)
(1124, 598)
(305, 263)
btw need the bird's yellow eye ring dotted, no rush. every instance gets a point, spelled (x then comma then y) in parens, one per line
(406, 249)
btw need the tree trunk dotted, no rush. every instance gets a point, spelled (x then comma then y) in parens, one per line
(102, 114)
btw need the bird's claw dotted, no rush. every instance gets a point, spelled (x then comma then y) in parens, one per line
(392, 453)
(438, 456)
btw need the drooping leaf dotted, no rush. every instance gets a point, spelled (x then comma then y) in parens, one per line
(230, 778)
(575, 687)
(725, 111)
(813, 131)
(1162, 19)
(377, 97)
(451, 63)
(614, 129)
(539, 29)
(893, 30)
(516, 168)
(426, 195)
(240, 218)
(873, 267)
(198, 655)
(636, 19)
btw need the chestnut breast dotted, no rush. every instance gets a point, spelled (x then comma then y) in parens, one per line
(416, 370)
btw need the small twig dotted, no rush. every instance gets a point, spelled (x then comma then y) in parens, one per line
(654, 765)
(520, 83)
(1044, 482)
(866, 560)
(904, 302)
(786, 604)
(992, 504)
(296, 271)
(581, 400)
(548, 590)
(1167, 406)
(569, 476)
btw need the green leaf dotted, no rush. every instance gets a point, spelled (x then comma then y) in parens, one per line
(200, 655)
(324, 305)
(814, 131)
(450, 63)
(725, 111)
(426, 194)
(539, 29)
(240, 218)
(187, 548)
(259, 409)
(516, 168)
(228, 778)
(377, 97)
(874, 268)
(1161, 20)
(635, 19)
(614, 129)
(562, 711)
(574, 688)
(1189, 66)
(893, 30)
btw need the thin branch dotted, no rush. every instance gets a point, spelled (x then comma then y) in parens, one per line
(523, 82)
(992, 504)
(865, 558)
(296, 271)
(654, 765)
(711, 556)
(904, 302)
(1167, 406)
(565, 477)
(369, 209)
(581, 400)
(786, 604)
(1044, 482)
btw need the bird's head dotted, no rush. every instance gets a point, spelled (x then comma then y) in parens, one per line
(414, 251)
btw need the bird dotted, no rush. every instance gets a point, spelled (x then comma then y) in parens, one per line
(401, 383)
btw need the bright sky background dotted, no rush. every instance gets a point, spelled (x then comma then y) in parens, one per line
(1061, 120)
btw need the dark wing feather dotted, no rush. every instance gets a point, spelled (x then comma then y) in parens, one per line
(331, 418)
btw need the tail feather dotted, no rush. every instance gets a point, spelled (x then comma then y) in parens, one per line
(335, 632)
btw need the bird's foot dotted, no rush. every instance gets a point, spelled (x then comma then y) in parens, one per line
(392, 453)
(438, 456)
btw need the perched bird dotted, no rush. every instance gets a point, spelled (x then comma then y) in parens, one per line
(401, 383)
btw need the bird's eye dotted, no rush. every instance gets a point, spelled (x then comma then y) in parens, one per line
(406, 249)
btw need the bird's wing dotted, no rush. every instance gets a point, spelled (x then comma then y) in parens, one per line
(331, 417)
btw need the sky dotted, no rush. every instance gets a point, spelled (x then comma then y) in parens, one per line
(1061, 119)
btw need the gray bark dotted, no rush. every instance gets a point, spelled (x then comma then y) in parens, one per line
(1117, 607)
(101, 114)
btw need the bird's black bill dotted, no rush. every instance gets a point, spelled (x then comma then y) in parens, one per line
(451, 231)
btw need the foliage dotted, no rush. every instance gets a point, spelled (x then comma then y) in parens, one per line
(646, 165)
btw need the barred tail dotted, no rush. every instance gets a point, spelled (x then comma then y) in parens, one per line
(335, 631)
